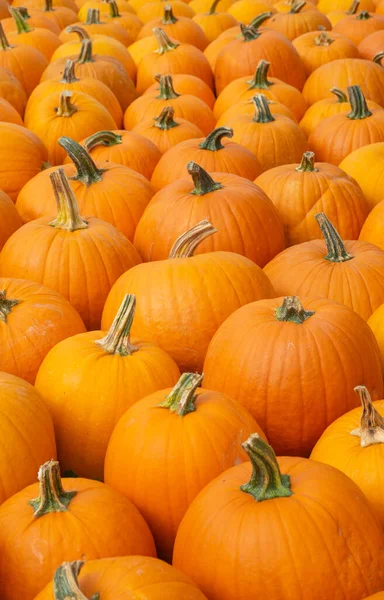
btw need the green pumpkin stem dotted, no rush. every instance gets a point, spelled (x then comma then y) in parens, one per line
(307, 163)
(52, 496)
(323, 39)
(352, 10)
(93, 17)
(336, 251)
(164, 42)
(103, 138)
(182, 398)
(260, 79)
(165, 120)
(168, 18)
(24, 12)
(292, 311)
(203, 182)
(363, 16)
(341, 97)
(297, 7)
(5, 45)
(166, 89)
(187, 242)
(68, 215)
(266, 481)
(79, 31)
(262, 110)
(6, 305)
(378, 58)
(65, 108)
(114, 12)
(87, 171)
(213, 140)
(22, 25)
(117, 340)
(249, 33)
(86, 52)
(371, 430)
(66, 583)
(48, 6)
(358, 103)
(69, 72)
(259, 20)
(212, 10)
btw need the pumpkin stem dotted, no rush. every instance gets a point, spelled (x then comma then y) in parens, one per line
(260, 79)
(341, 97)
(103, 138)
(24, 12)
(86, 52)
(65, 108)
(168, 18)
(3, 39)
(187, 242)
(323, 39)
(80, 31)
(53, 497)
(297, 6)
(166, 89)
(66, 583)
(352, 10)
(87, 171)
(266, 481)
(378, 57)
(6, 305)
(93, 17)
(69, 72)
(371, 430)
(21, 24)
(114, 12)
(202, 181)
(212, 10)
(165, 44)
(68, 215)
(363, 16)
(334, 243)
(358, 103)
(165, 120)
(262, 111)
(259, 20)
(213, 140)
(292, 311)
(48, 6)
(117, 340)
(183, 396)
(307, 163)
(249, 33)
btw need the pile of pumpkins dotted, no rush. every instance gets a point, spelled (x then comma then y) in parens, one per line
(191, 299)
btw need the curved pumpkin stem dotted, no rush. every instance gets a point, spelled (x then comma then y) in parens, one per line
(213, 140)
(22, 25)
(259, 20)
(212, 10)
(378, 58)
(80, 31)
(249, 33)
(165, 120)
(187, 242)
(352, 10)
(65, 108)
(6, 305)
(262, 110)
(68, 215)
(53, 497)
(334, 243)
(358, 103)
(166, 89)
(297, 6)
(260, 79)
(164, 42)
(371, 430)
(183, 396)
(117, 340)
(69, 72)
(168, 18)
(266, 481)
(203, 182)
(341, 97)
(5, 45)
(307, 163)
(86, 52)
(114, 12)
(323, 39)
(292, 311)
(66, 583)
(87, 171)
(93, 17)
(103, 138)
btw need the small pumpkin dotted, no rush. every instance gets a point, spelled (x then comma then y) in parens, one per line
(126, 19)
(296, 22)
(365, 165)
(213, 22)
(43, 40)
(182, 29)
(357, 27)
(153, 8)
(317, 48)
(94, 26)
(184, 83)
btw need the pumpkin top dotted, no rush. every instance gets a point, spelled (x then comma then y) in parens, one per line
(80, 31)
(307, 163)
(213, 7)
(65, 581)
(102, 138)
(52, 497)
(203, 182)
(87, 171)
(168, 18)
(68, 215)
(262, 111)
(6, 305)
(65, 108)
(22, 25)
(336, 249)
(181, 399)
(69, 72)
(186, 243)
(166, 89)
(292, 311)
(213, 141)
(266, 480)
(117, 340)
(165, 120)
(260, 78)
(93, 17)
(358, 103)
(371, 430)
(323, 39)
(164, 42)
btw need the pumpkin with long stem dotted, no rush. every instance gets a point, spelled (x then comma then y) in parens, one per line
(357, 27)
(43, 40)
(176, 322)
(296, 21)
(92, 254)
(58, 520)
(182, 29)
(349, 272)
(184, 83)
(317, 48)
(93, 25)
(255, 514)
(186, 453)
(35, 18)
(102, 365)
(214, 21)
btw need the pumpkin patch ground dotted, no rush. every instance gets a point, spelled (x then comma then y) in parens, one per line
(191, 299)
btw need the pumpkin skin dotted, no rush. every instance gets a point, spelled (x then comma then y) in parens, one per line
(152, 9)
(375, 322)
(214, 23)
(232, 528)
(120, 531)
(334, 340)
(186, 337)
(246, 220)
(301, 191)
(43, 40)
(8, 113)
(365, 166)
(183, 83)
(12, 90)
(185, 454)
(296, 22)
(358, 27)
(33, 319)
(370, 46)
(9, 218)
(318, 48)
(371, 230)
(60, 16)
(328, 6)
(92, 247)
(27, 434)
(182, 29)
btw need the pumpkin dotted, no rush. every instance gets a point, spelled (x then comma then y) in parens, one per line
(317, 48)
(27, 434)
(37, 20)
(102, 364)
(182, 29)
(240, 57)
(4, 7)
(94, 26)
(301, 342)
(185, 106)
(68, 81)
(254, 515)
(103, 7)
(9, 218)
(43, 40)
(175, 321)
(141, 48)
(200, 6)
(166, 131)
(106, 190)
(129, 21)
(93, 254)
(351, 272)
(296, 22)
(54, 520)
(40, 4)
(246, 220)
(172, 57)
(61, 16)
(338, 14)
(153, 8)
(213, 22)
(365, 165)
(246, 108)
(371, 230)
(12, 90)
(8, 113)
(274, 89)
(285, 6)
(22, 155)
(245, 11)
(24, 62)
(346, 72)
(301, 191)
(185, 454)
(274, 139)
(370, 46)
(336, 137)
(33, 319)
(184, 83)
(375, 322)
(358, 27)
(213, 153)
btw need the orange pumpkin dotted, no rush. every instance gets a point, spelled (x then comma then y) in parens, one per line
(61, 16)
(43, 40)
(102, 364)
(296, 21)
(372, 229)
(245, 11)
(213, 153)
(246, 108)
(12, 90)
(54, 521)
(153, 8)
(299, 192)
(182, 29)
(365, 165)
(8, 113)
(336, 14)
(246, 220)
(375, 322)
(102, 6)
(318, 48)
(27, 434)
(358, 27)
(40, 4)
(37, 20)
(328, 6)
(93, 26)
(9, 218)
(126, 19)
(204, 5)
(308, 506)
(93, 254)
(185, 454)
(331, 268)
(184, 83)
(213, 22)
(176, 322)
(370, 46)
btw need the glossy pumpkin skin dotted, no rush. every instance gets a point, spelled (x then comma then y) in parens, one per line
(12, 90)
(43, 40)
(337, 344)
(8, 113)
(38, 320)
(318, 48)
(186, 453)
(232, 528)
(9, 218)
(106, 27)
(27, 435)
(245, 108)
(152, 9)
(364, 165)
(372, 229)
(375, 322)
(214, 24)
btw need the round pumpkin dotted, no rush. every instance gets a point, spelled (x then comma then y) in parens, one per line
(9, 218)
(357, 27)
(43, 40)
(182, 29)
(94, 26)
(12, 90)
(365, 165)
(317, 48)
(183, 83)
(296, 21)
(213, 22)
(329, 6)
